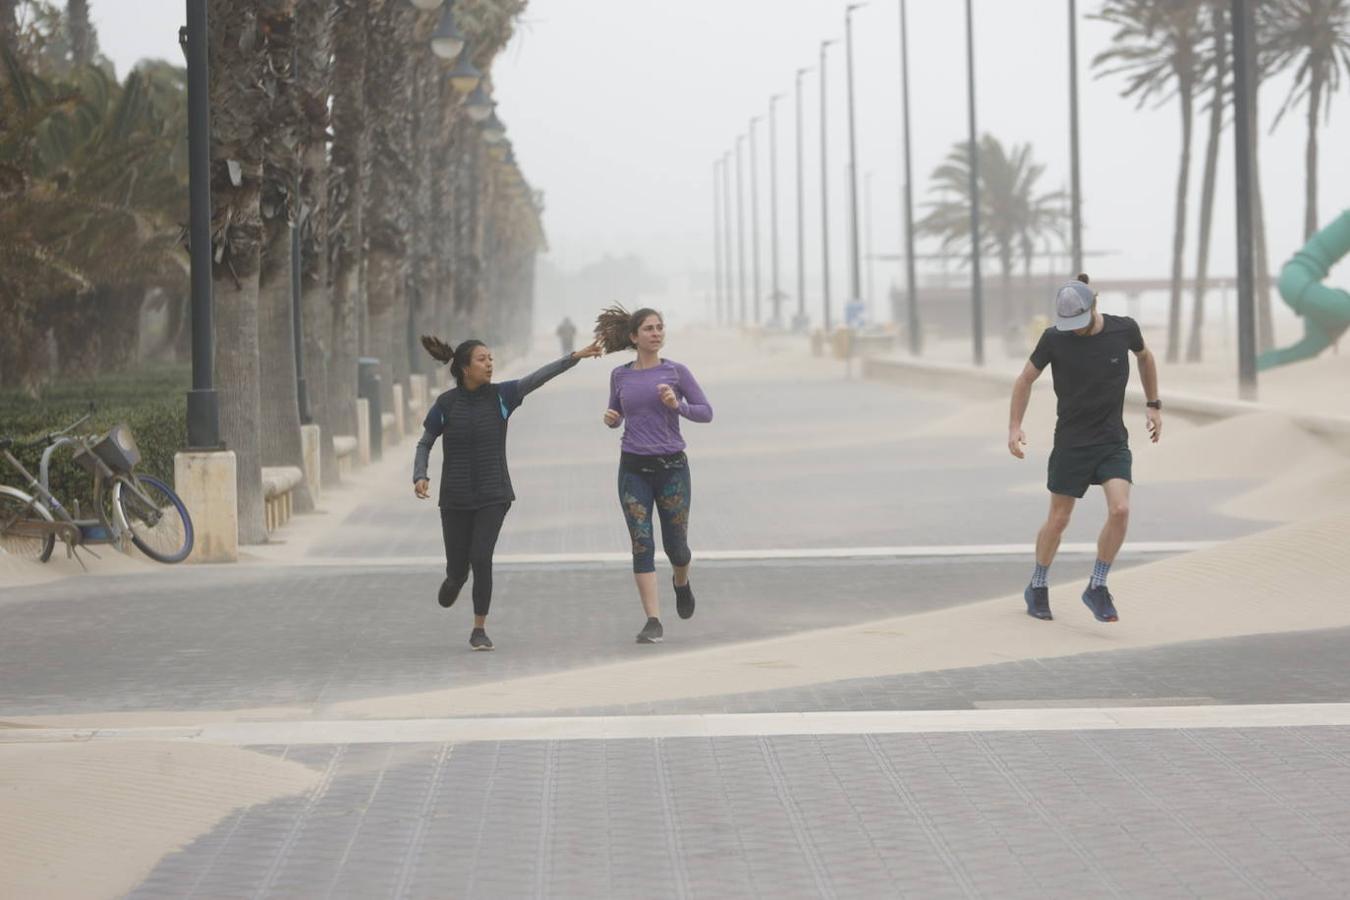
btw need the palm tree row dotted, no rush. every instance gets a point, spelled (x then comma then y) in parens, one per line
(409, 220)
(1179, 49)
(330, 118)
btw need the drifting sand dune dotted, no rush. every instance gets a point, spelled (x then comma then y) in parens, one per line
(93, 819)
(1256, 446)
(1225, 591)
(1319, 490)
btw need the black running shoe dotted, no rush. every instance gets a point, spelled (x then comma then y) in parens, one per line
(1038, 602)
(651, 633)
(684, 599)
(479, 640)
(448, 593)
(1099, 600)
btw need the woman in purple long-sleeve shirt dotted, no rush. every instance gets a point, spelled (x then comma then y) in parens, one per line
(649, 396)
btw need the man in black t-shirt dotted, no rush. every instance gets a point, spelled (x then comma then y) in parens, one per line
(1088, 354)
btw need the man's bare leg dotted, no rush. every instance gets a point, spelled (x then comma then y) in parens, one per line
(1047, 540)
(1111, 539)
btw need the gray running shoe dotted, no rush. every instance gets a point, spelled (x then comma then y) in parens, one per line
(479, 640)
(1038, 602)
(684, 599)
(651, 633)
(1099, 600)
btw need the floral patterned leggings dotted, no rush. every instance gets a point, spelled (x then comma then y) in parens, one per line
(663, 482)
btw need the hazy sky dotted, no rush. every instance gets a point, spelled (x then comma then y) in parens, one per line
(618, 109)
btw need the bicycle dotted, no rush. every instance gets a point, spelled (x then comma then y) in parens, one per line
(130, 507)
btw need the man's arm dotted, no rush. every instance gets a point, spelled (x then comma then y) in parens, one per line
(1148, 376)
(1021, 398)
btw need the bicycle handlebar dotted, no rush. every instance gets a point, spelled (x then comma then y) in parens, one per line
(7, 443)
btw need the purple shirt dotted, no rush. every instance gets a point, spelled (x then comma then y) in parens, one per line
(650, 427)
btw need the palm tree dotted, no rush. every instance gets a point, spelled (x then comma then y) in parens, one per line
(281, 120)
(1014, 215)
(1312, 37)
(314, 24)
(237, 64)
(83, 42)
(1156, 46)
(1215, 64)
(348, 175)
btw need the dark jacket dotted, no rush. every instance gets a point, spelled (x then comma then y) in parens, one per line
(472, 425)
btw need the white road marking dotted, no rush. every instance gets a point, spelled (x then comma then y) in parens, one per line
(580, 728)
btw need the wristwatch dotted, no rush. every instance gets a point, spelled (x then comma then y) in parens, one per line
(1154, 404)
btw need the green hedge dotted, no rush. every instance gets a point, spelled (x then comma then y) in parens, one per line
(153, 403)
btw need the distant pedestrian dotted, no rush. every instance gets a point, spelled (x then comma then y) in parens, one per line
(649, 396)
(1088, 354)
(567, 333)
(475, 492)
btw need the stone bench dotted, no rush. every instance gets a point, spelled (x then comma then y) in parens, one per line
(278, 483)
(344, 450)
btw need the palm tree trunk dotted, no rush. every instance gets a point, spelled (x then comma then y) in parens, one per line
(281, 111)
(347, 189)
(236, 181)
(1186, 97)
(81, 32)
(1265, 321)
(314, 38)
(1195, 347)
(9, 29)
(1310, 161)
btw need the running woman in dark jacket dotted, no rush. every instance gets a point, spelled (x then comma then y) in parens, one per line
(649, 396)
(475, 483)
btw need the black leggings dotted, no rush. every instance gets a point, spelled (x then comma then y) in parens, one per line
(470, 539)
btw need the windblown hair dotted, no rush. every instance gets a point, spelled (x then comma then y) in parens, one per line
(458, 357)
(615, 327)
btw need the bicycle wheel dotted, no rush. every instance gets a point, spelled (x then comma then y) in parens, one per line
(19, 513)
(161, 528)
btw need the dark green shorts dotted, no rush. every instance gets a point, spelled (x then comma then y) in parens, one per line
(1074, 469)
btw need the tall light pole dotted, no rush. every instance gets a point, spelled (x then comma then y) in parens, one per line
(203, 404)
(915, 336)
(717, 240)
(729, 293)
(740, 224)
(754, 214)
(824, 195)
(799, 321)
(1243, 53)
(776, 296)
(867, 242)
(855, 254)
(1075, 190)
(977, 289)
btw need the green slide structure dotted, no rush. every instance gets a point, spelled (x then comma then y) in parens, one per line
(1325, 311)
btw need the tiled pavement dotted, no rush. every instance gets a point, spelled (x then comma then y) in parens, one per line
(1226, 813)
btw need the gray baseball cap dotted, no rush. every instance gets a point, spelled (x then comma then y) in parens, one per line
(1073, 306)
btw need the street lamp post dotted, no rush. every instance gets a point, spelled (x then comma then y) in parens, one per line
(203, 405)
(729, 292)
(855, 255)
(799, 321)
(717, 242)
(740, 225)
(1075, 190)
(824, 195)
(915, 337)
(754, 214)
(1243, 52)
(773, 209)
(977, 289)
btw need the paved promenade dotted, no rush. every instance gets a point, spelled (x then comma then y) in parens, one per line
(859, 708)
